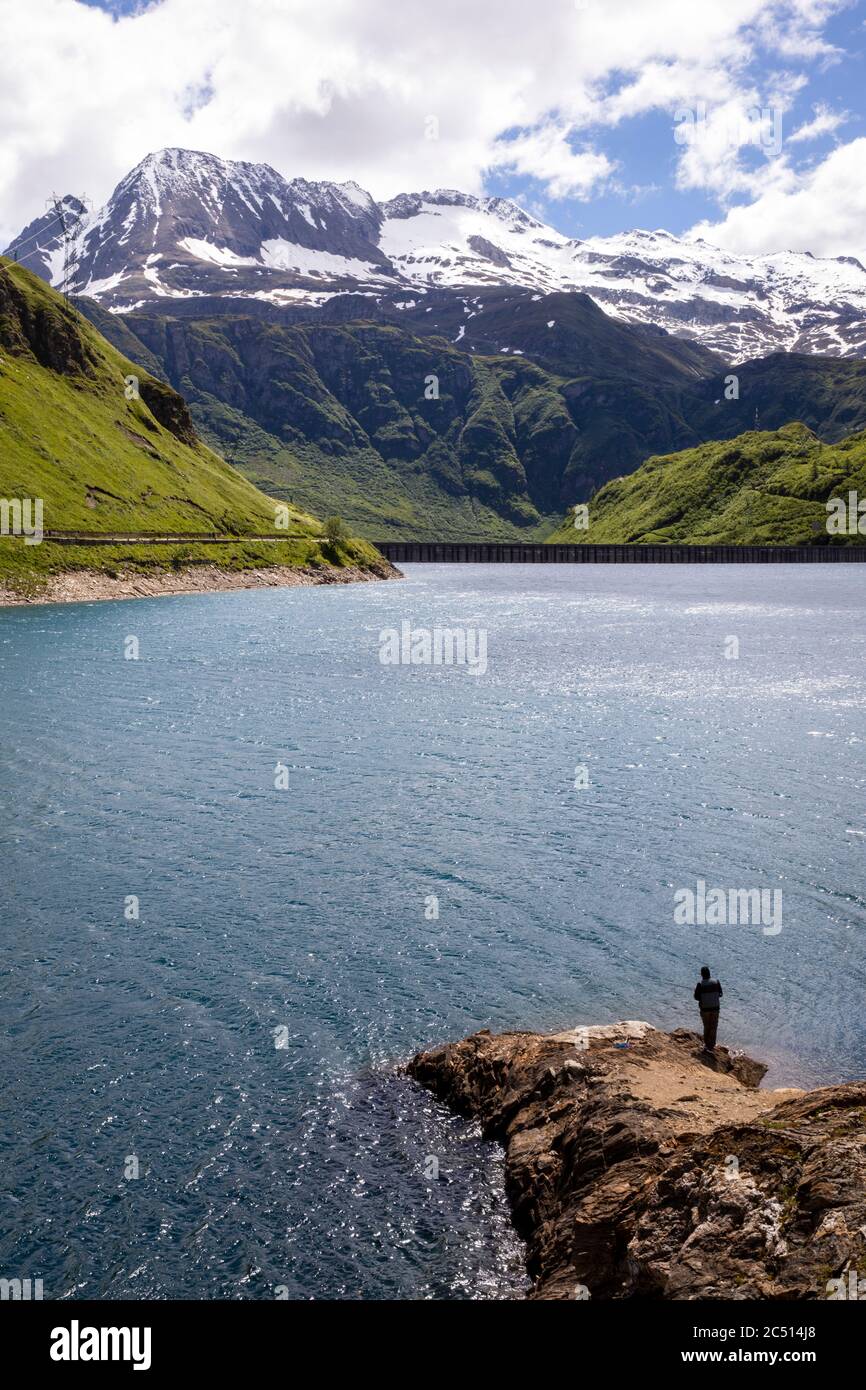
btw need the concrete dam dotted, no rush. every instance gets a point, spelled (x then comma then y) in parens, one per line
(537, 553)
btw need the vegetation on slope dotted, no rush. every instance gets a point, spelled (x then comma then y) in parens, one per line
(343, 416)
(109, 448)
(763, 488)
(828, 394)
(25, 570)
(400, 435)
(557, 399)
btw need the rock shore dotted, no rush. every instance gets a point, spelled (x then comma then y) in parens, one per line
(86, 586)
(638, 1166)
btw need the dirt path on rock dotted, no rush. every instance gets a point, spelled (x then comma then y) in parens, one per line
(681, 1085)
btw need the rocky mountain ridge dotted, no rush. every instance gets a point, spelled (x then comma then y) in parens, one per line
(185, 225)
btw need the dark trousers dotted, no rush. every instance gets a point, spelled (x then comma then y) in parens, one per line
(710, 1020)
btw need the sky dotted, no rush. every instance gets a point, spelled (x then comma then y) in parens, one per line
(741, 121)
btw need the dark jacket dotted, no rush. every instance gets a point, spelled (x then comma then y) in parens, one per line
(708, 993)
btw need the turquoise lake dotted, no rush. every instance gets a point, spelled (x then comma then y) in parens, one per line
(237, 1042)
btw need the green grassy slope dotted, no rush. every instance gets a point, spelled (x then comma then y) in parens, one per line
(334, 415)
(763, 488)
(828, 394)
(101, 461)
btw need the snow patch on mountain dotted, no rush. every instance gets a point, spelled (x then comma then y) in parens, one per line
(447, 238)
(184, 224)
(280, 254)
(215, 255)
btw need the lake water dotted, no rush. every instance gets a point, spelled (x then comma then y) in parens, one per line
(236, 1043)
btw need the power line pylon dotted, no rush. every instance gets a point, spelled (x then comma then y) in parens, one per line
(67, 226)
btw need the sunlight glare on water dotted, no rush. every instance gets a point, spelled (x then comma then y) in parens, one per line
(304, 1167)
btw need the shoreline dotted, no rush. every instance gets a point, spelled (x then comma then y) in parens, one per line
(639, 1166)
(89, 586)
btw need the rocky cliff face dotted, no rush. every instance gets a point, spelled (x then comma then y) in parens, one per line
(638, 1166)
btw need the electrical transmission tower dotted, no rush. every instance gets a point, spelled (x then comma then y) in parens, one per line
(67, 227)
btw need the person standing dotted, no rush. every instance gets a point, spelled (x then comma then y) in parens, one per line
(708, 993)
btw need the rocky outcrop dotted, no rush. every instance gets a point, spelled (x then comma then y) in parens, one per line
(170, 409)
(637, 1165)
(44, 329)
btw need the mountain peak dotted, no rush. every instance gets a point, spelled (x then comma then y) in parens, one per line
(186, 223)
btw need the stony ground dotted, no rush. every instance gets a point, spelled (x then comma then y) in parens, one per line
(639, 1166)
(85, 586)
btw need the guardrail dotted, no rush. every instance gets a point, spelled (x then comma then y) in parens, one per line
(166, 538)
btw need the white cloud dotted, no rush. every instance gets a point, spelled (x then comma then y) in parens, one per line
(822, 210)
(545, 154)
(342, 89)
(824, 122)
(714, 139)
(799, 35)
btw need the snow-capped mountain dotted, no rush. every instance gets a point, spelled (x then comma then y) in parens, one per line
(742, 306)
(184, 225)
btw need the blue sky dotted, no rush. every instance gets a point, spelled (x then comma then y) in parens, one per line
(118, 7)
(573, 112)
(646, 192)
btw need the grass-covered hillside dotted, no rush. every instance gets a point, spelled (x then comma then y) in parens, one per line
(541, 400)
(762, 488)
(406, 432)
(400, 435)
(108, 454)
